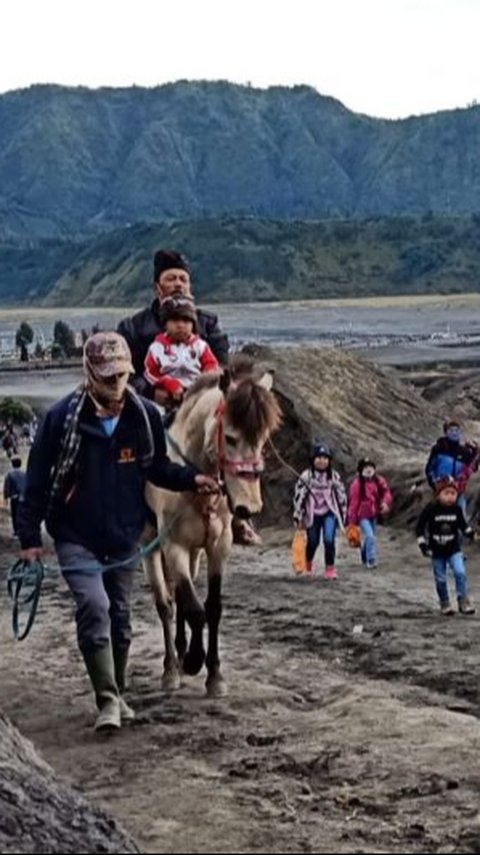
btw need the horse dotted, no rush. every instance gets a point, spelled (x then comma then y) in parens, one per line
(220, 428)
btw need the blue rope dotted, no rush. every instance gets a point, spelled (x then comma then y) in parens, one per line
(25, 580)
(24, 576)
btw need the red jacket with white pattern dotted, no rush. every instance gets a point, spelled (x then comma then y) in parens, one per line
(174, 367)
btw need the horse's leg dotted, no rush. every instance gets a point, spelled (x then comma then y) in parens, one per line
(154, 570)
(181, 637)
(190, 609)
(216, 685)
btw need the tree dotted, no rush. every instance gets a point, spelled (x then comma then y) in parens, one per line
(39, 351)
(24, 337)
(14, 410)
(64, 337)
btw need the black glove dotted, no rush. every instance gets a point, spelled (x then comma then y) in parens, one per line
(423, 547)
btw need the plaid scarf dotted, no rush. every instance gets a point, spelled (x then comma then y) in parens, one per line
(71, 440)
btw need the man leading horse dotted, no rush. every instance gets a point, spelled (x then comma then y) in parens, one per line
(86, 477)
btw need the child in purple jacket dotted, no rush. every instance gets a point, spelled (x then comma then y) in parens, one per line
(319, 507)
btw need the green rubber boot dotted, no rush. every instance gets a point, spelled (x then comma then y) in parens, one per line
(120, 658)
(101, 670)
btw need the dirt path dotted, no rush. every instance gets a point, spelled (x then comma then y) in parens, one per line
(330, 741)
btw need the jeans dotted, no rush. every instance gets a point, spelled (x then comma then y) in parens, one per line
(440, 567)
(369, 544)
(325, 524)
(102, 598)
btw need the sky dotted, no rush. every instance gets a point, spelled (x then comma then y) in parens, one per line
(385, 58)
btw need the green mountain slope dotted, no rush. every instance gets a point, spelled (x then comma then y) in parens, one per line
(246, 259)
(74, 161)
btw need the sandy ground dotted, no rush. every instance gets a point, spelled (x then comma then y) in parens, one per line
(352, 723)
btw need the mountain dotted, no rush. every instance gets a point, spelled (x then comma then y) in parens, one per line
(250, 259)
(75, 162)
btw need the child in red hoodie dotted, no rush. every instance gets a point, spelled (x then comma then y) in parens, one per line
(178, 355)
(368, 496)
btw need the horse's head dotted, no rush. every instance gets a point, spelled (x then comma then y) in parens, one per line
(246, 415)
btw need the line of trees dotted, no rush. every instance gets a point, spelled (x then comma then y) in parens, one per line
(64, 341)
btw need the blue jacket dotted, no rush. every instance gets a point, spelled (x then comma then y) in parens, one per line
(450, 458)
(104, 509)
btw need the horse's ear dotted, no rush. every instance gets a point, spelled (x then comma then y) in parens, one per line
(225, 380)
(266, 381)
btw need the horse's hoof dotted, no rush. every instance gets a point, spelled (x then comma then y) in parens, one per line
(216, 688)
(193, 662)
(171, 681)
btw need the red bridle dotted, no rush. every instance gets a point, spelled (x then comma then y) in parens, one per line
(248, 468)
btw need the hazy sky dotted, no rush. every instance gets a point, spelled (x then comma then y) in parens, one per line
(389, 58)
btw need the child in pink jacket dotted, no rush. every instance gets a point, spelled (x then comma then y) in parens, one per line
(368, 496)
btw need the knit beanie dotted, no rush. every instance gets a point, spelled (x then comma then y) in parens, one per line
(364, 462)
(179, 308)
(168, 259)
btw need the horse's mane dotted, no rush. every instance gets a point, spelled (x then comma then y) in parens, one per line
(252, 410)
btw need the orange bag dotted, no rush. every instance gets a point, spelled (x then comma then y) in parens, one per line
(354, 536)
(299, 551)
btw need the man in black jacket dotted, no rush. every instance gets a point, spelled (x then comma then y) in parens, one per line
(171, 274)
(86, 477)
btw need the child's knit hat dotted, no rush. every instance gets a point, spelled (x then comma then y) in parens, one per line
(179, 308)
(364, 462)
(320, 449)
(442, 484)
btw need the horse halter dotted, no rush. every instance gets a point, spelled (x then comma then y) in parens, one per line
(249, 468)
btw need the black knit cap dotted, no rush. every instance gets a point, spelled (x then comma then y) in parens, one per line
(364, 462)
(168, 259)
(321, 449)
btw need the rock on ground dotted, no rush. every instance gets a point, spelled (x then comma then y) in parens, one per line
(39, 812)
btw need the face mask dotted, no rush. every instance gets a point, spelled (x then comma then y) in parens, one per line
(454, 434)
(110, 393)
(106, 395)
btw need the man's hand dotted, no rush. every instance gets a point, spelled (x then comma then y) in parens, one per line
(206, 484)
(469, 533)
(32, 554)
(161, 397)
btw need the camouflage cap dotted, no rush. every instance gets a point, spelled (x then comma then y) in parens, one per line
(107, 353)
